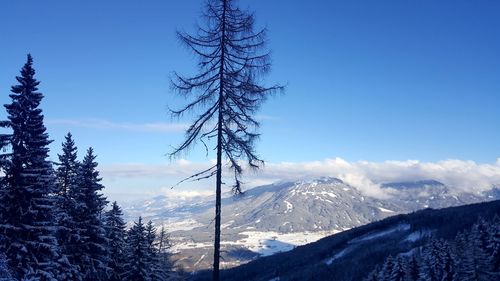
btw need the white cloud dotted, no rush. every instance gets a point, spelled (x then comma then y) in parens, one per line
(460, 175)
(185, 194)
(176, 170)
(122, 126)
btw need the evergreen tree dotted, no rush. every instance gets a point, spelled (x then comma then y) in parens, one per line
(4, 163)
(226, 90)
(163, 241)
(66, 173)
(89, 236)
(494, 247)
(4, 144)
(151, 236)
(448, 271)
(478, 259)
(27, 219)
(164, 263)
(432, 264)
(163, 249)
(154, 259)
(386, 270)
(4, 270)
(138, 267)
(68, 166)
(115, 233)
(398, 270)
(463, 257)
(157, 251)
(412, 269)
(372, 276)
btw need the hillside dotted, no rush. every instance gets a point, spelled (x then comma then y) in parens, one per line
(333, 257)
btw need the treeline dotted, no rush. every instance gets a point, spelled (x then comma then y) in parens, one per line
(53, 222)
(473, 255)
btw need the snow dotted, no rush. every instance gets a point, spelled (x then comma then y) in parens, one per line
(264, 243)
(385, 210)
(187, 224)
(270, 242)
(354, 243)
(316, 193)
(324, 200)
(289, 206)
(417, 235)
(338, 255)
(408, 253)
(375, 235)
(227, 224)
(199, 260)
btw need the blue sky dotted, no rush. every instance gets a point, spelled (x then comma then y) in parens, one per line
(366, 80)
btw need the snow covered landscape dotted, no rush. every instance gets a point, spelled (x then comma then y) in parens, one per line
(296, 213)
(243, 140)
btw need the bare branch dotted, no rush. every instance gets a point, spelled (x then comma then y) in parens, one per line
(198, 176)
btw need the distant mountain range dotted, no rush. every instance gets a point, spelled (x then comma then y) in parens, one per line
(278, 217)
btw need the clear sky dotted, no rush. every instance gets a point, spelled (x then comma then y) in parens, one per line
(366, 80)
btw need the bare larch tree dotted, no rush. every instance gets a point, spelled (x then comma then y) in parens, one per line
(225, 94)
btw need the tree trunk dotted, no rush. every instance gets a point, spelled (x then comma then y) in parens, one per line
(218, 202)
(218, 184)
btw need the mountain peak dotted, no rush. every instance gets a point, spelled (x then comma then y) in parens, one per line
(329, 180)
(320, 180)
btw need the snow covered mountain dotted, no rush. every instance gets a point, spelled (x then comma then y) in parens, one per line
(278, 217)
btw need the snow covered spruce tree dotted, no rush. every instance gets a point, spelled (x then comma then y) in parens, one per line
(494, 245)
(474, 261)
(27, 221)
(164, 256)
(398, 271)
(67, 173)
(88, 237)
(386, 270)
(139, 267)
(4, 144)
(115, 233)
(4, 269)
(232, 58)
(161, 267)
(67, 170)
(152, 253)
(412, 269)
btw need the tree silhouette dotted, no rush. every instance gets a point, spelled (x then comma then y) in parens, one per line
(225, 93)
